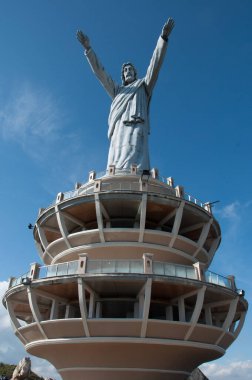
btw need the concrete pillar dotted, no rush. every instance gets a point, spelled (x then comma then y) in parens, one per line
(181, 308)
(97, 186)
(136, 309)
(200, 271)
(147, 263)
(232, 281)
(208, 315)
(133, 169)
(143, 185)
(154, 173)
(82, 265)
(180, 193)
(60, 197)
(98, 310)
(170, 181)
(91, 176)
(111, 170)
(208, 207)
(169, 313)
(34, 271)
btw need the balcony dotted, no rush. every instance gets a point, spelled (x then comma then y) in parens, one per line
(128, 180)
(85, 266)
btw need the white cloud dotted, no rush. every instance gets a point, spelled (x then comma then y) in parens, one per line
(12, 351)
(231, 211)
(31, 118)
(231, 216)
(236, 370)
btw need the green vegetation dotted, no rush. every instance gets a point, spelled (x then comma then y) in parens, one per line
(7, 370)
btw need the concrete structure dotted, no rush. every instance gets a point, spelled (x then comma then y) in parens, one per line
(125, 289)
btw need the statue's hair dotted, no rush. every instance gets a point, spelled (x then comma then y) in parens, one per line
(122, 74)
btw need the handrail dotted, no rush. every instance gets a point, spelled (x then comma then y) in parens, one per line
(123, 267)
(218, 279)
(124, 185)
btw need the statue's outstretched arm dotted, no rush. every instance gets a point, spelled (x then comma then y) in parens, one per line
(167, 28)
(83, 39)
(158, 56)
(105, 79)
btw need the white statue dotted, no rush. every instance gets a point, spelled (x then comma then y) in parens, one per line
(129, 113)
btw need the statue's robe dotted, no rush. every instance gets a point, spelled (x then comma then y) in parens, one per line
(129, 113)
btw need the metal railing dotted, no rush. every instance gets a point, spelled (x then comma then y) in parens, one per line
(123, 266)
(88, 188)
(172, 270)
(18, 280)
(62, 269)
(217, 279)
(194, 200)
(114, 266)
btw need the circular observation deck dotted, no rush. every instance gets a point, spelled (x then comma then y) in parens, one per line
(103, 324)
(122, 216)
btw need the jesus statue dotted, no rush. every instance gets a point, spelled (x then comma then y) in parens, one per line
(129, 113)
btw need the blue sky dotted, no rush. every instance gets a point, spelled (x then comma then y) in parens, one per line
(53, 121)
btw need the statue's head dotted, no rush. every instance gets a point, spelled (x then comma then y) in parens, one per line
(129, 73)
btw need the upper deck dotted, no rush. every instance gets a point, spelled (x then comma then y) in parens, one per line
(118, 213)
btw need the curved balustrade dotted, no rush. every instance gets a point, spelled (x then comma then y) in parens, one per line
(126, 185)
(124, 266)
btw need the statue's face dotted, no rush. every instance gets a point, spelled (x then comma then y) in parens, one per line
(129, 74)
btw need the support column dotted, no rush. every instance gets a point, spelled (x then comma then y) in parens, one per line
(177, 223)
(35, 310)
(196, 311)
(54, 309)
(14, 322)
(99, 217)
(229, 319)
(208, 315)
(43, 240)
(169, 313)
(146, 307)
(181, 309)
(83, 306)
(240, 324)
(142, 217)
(62, 226)
(203, 236)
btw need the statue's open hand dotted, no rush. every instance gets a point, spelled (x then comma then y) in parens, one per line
(168, 26)
(83, 39)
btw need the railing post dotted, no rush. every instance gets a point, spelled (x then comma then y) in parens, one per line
(97, 185)
(60, 197)
(170, 181)
(82, 264)
(133, 169)
(180, 191)
(208, 207)
(34, 271)
(147, 263)
(111, 170)
(200, 271)
(232, 281)
(154, 173)
(91, 176)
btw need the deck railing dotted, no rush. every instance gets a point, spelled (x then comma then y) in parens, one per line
(123, 267)
(124, 185)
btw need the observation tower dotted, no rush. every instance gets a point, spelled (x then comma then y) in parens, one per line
(124, 290)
